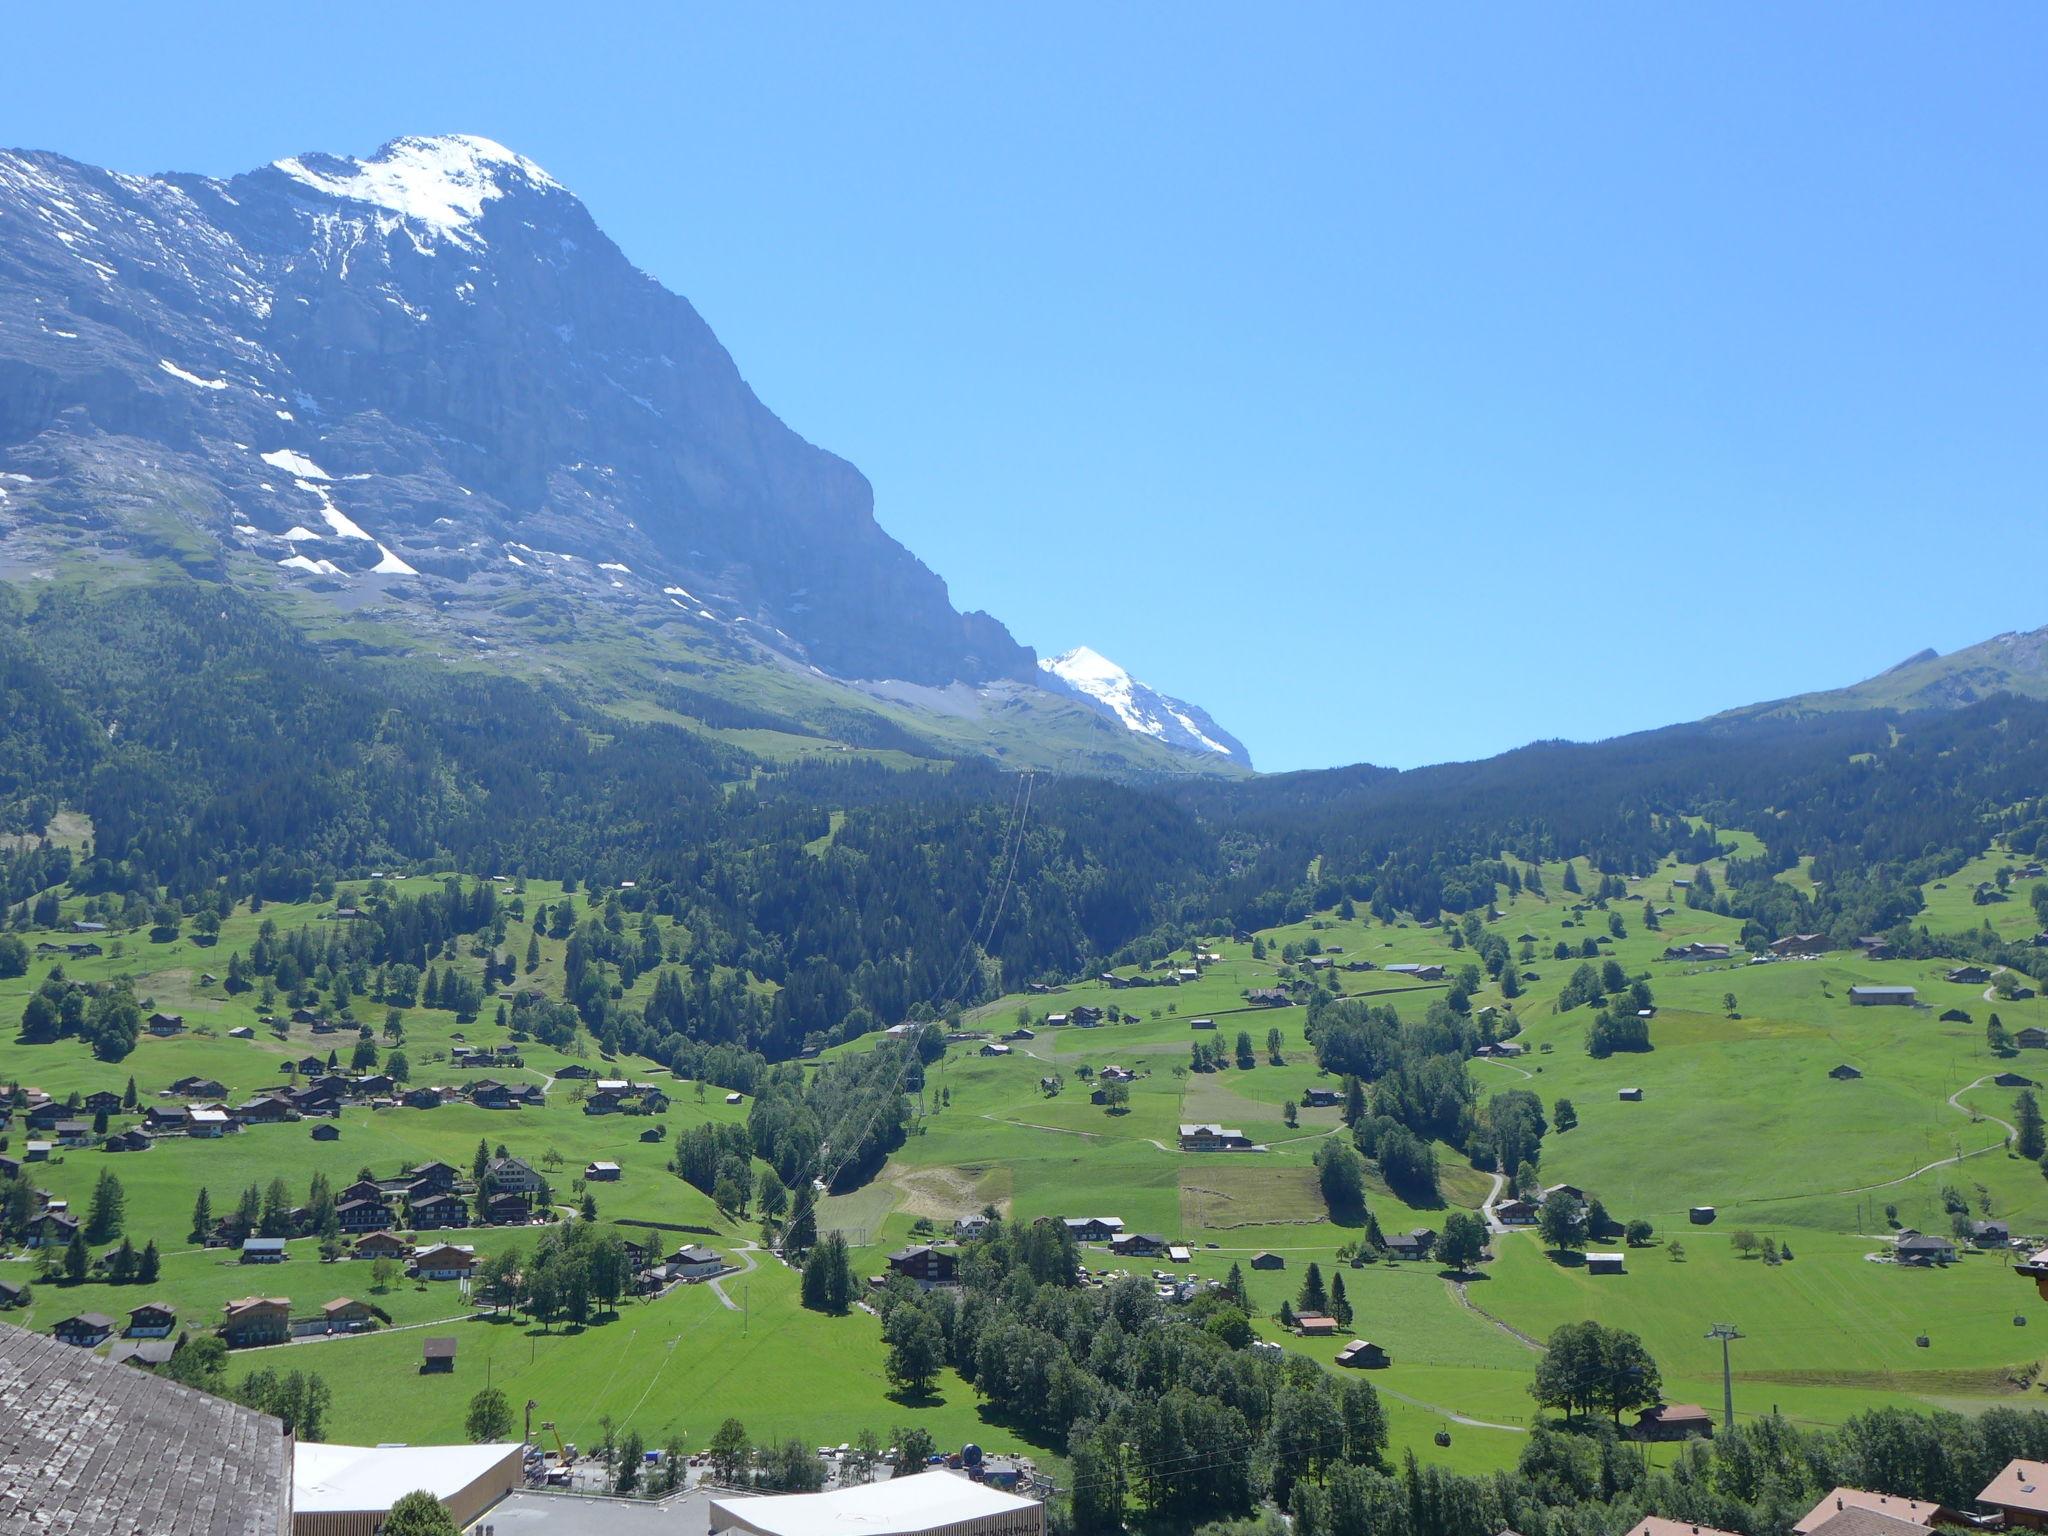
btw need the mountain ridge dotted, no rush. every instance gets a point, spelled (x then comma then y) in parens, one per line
(426, 381)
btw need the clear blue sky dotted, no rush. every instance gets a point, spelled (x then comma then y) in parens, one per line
(1398, 389)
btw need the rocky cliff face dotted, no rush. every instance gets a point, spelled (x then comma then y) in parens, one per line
(431, 367)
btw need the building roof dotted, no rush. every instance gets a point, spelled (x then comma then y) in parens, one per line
(1657, 1525)
(1865, 1522)
(334, 1479)
(1914, 1511)
(1675, 1413)
(927, 1501)
(2022, 1485)
(83, 1425)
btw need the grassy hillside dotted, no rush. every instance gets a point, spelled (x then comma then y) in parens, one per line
(1737, 1111)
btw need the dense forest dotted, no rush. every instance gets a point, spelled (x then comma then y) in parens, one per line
(222, 756)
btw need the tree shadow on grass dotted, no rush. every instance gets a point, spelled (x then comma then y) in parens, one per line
(916, 1397)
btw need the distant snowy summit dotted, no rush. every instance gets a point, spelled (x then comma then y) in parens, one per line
(1111, 691)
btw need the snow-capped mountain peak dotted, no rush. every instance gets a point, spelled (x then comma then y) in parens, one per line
(1110, 690)
(442, 180)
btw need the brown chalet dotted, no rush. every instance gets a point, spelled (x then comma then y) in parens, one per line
(1890, 1507)
(2021, 1492)
(381, 1245)
(927, 1265)
(256, 1320)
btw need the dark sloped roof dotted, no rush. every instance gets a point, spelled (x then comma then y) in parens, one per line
(93, 1446)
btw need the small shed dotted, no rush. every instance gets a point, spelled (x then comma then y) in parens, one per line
(437, 1354)
(1630, 1095)
(1362, 1355)
(1606, 1264)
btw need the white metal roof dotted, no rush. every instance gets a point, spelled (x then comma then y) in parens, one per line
(335, 1478)
(924, 1502)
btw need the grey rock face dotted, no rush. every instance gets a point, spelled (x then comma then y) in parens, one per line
(431, 366)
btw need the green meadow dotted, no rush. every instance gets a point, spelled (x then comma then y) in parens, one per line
(1738, 1112)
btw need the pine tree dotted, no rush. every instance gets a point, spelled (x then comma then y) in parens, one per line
(109, 1206)
(202, 1215)
(128, 1095)
(533, 951)
(75, 1263)
(2030, 1142)
(1314, 1298)
(147, 1267)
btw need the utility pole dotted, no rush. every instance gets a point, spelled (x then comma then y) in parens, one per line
(1726, 1332)
(530, 1406)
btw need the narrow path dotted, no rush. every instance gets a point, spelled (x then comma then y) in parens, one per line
(1494, 1225)
(1457, 1288)
(1496, 1061)
(1451, 1413)
(1907, 1178)
(745, 1254)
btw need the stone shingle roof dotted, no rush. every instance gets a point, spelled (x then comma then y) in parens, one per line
(89, 1446)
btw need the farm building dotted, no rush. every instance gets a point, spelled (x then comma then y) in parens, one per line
(1321, 1098)
(1843, 1073)
(263, 1250)
(1924, 1248)
(1606, 1263)
(438, 1354)
(1362, 1355)
(107, 1448)
(1213, 1138)
(347, 1490)
(1515, 1213)
(1674, 1421)
(934, 1503)
(1268, 1261)
(1968, 975)
(602, 1172)
(1990, 1233)
(1630, 1095)
(1697, 952)
(994, 1048)
(2014, 1080)
(1142, 1245)
(2032, 1038)
(1201, 1023)
(1883, 997)
(1314, 1325)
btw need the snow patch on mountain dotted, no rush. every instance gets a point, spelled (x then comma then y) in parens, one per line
(1111, 691)
(190, 378)
(442, 181)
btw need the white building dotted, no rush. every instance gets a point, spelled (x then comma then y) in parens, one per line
(934, 1503)
(347, 1490)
